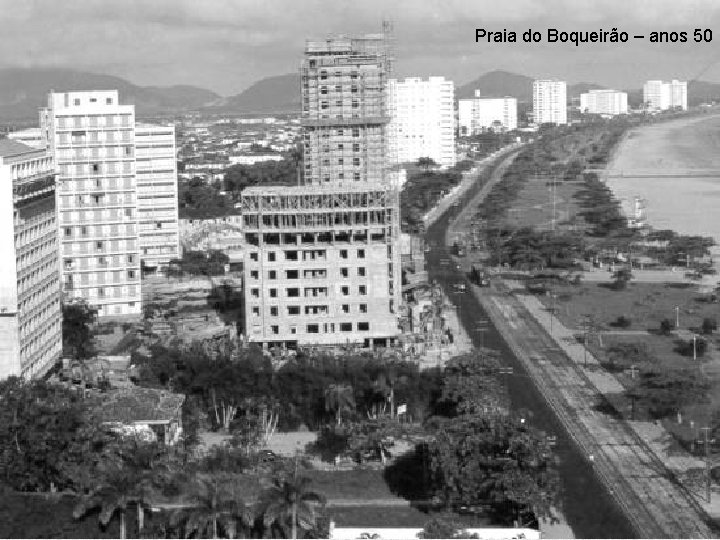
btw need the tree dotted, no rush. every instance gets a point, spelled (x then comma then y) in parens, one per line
(621, 277)
(426, 162)
(78, 317)
(497, 462)
(709, 325)
(288, 503)
(667, 392)
(339, 398)
(666, 326)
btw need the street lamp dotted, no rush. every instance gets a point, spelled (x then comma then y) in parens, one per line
(707, 441)
(695, 347)
(677, 317)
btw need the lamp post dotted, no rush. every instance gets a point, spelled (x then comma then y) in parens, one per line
(707, 462)
(695, 347)
(677, 316)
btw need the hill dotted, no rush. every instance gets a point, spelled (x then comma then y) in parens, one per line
(280, 93)
(24, 90)
(498, 84)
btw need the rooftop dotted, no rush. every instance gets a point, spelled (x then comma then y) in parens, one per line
(8, 147)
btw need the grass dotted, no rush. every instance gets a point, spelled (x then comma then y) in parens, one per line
(354, 484)
(533, 206)
(377, 517)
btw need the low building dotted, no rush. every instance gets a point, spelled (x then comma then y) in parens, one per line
(252, 159)
(477, 114)
(30, 290)
(604, 102)
(661, 96)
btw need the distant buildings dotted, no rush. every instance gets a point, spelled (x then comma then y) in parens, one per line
(157, 194)
(422, 120)
(92, 139)
(661, 96)
(604, 102)
(550, 102)
(32, 137)
(322, 260)
(479, 114)
(30, 311)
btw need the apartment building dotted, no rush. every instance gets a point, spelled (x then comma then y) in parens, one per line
(478, 114)
(550, 102)
(322, 260)
(321, 265)
(604, 102)
(157, 195)
(661, 96)
(30, 310)
(92, 139)
(422, 120)
(344, 110)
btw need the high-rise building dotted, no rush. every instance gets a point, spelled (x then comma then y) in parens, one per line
(422, 120)
(661, 96)
(30, 310)
(550, 102)
(478, 114)
(157, 194)
(322, 260)
(92, 140)
(604, 102)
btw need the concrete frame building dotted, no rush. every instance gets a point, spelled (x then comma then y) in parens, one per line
(604, 102)
(157, 194)
(30, 310)
(550, 102)
(322, 260)
(321, 264)
(92, 140)
(478, 114)
(661, 96)
(422, 120)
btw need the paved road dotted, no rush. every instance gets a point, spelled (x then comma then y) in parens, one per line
(650, 498)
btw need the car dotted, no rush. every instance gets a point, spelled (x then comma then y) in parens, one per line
(459, 287)
(267, 456)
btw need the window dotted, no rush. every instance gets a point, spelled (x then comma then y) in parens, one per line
(76, 102)
(291, 274)
(346, 308)
(68, 231)
(356, 147)
(312, 328)
(360, 253)
(362, 290)
(68, 264)
(83, 231)
(255, 292)
(131, 259)
(363, 326)
(356, 176)
(256, 311)
(254, 274)
(93, 100)
(273, 293)
(344, 272)
(272, 274)
(131, 274)
(345, 291)
(343, 254)
(356, 132)
(108, 101)
(274, 329)
(363, 308)
(356, 161)
(271, 256)
(273, 311)
(96, 167)
(293, 292)
(293, 310)
(254, 256)
(101, 292)
(291, 255)
(158, 225)
(361, 271)
(99, 245)
(346, 327)
(293, 329)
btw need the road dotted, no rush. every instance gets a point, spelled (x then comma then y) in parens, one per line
(613, 486)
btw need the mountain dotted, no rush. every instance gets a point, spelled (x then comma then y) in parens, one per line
(280, 93)
(574, 90)
(498, 84)
(24, 90)
(703, 92)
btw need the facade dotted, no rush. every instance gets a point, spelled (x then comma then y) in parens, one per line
(604, 102)
(344, 110)
(157, 194)
(422, 120)
(92, 140)
(322, 264)
(322, 260)
(477, 114)
(30, 310)
(550, 102)
(661, 96)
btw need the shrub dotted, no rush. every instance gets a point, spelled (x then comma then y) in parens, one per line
(709, 325)
(666, 326)
(622, 322)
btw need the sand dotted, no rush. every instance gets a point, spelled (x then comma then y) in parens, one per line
(685, 204)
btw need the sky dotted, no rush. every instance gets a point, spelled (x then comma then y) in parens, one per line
(226, 45)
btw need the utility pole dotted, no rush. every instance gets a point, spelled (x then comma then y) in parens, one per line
(695, 347)
(677, 316)
(707, 463)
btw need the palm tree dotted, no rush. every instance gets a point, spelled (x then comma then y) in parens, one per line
(339, 398)
(289, 502)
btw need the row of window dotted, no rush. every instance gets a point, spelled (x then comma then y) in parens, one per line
(338, 132)
(328, 328)
(308, 292)
(308, 255)
(316, 273)
(294, 311)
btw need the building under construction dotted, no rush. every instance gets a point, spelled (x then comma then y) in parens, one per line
(322, 260)
(321, 265)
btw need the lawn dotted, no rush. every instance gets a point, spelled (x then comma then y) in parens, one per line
(354, 484)
(377, 516)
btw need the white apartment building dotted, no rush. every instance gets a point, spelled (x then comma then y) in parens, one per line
(604, 102)
(92, 140)
(479, 114)
(550, 102)
(661, 96)
(30, 310)
(422, 120)
(157, 194)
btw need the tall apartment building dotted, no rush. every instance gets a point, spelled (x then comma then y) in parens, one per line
(92, 140)
(157, 194)
(322, 260)
(550, 102)
(30, 311)
(478, 114)
(661, 96)
(422, 120)
(604, 102)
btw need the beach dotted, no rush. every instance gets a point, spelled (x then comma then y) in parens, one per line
(665, 156)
